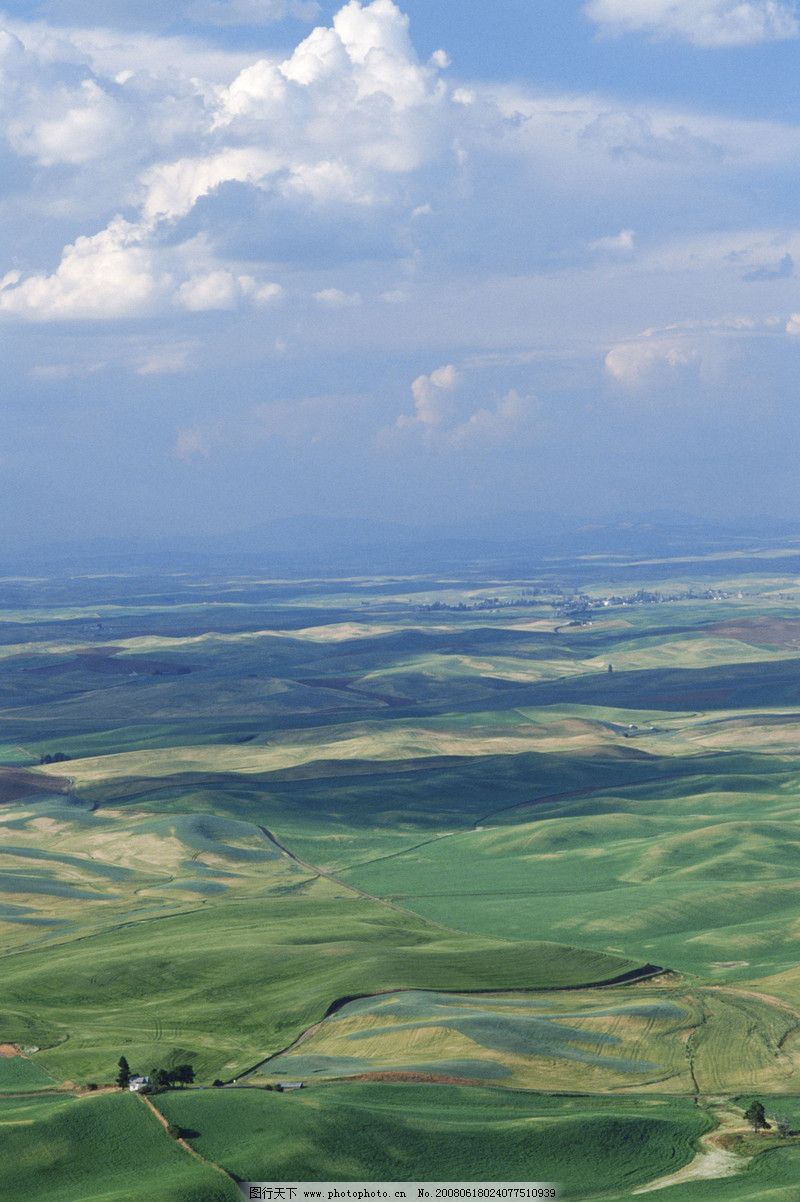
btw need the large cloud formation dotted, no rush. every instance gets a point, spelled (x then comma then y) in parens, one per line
(343, 121)
(178, 170)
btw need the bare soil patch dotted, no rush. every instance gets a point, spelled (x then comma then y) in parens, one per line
(779, 632)
(104, 660)
(18, 783)
(139, 665)
(414, 1079)
(714, 1158)
(9, 1051)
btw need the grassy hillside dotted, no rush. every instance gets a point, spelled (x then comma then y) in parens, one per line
(20, 1074)
(406, 1132)
(104, 1148)
(227, 984)
(226, 804)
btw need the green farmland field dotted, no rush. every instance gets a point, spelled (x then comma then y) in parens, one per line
(98, 1149)
(408, 1132)
(512, 891)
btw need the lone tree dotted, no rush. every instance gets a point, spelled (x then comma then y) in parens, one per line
(124, 1074)
(756, 1116)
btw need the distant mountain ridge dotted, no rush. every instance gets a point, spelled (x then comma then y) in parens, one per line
(327, 542)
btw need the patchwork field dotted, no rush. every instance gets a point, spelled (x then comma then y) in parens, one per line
(611, 1039)
(630, 1039)
(444, 850)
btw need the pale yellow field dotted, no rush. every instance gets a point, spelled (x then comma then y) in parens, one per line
(689, 653)
(669, 1040)
(397, 743)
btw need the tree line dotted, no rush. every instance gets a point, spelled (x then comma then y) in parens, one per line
(160, 1078)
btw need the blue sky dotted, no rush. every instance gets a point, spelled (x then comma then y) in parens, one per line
(419, 260)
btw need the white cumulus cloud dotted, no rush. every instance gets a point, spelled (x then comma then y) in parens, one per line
(261, 294)
(172, 189)
(431, 398)
(348, 149)
(222, 289)
(342, 121)
(110, 275)
(642, 361)
(214, 290)
(352, 96)
(121, 273)
(442, 420)
(67, 126)
(508, 418)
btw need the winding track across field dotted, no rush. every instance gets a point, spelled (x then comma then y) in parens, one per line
(187, 1147)
(713, 1160)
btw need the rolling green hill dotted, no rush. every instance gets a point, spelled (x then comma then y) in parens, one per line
(412, 842)
(407, 1132)
(98, 1149)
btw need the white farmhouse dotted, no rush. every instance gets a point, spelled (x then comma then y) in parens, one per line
(137, 1084)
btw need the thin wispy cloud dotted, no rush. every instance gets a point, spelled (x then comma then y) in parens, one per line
(623, 243)
(709, 23)
(782, 270)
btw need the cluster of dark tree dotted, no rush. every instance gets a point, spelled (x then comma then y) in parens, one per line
(757, 1118)
(160, 1078)
(486, 603)
(168, 1078)
(217, 1084)
(58, 757)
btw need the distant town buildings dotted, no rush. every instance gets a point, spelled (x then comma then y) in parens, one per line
(580, 605)
(576, 605)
